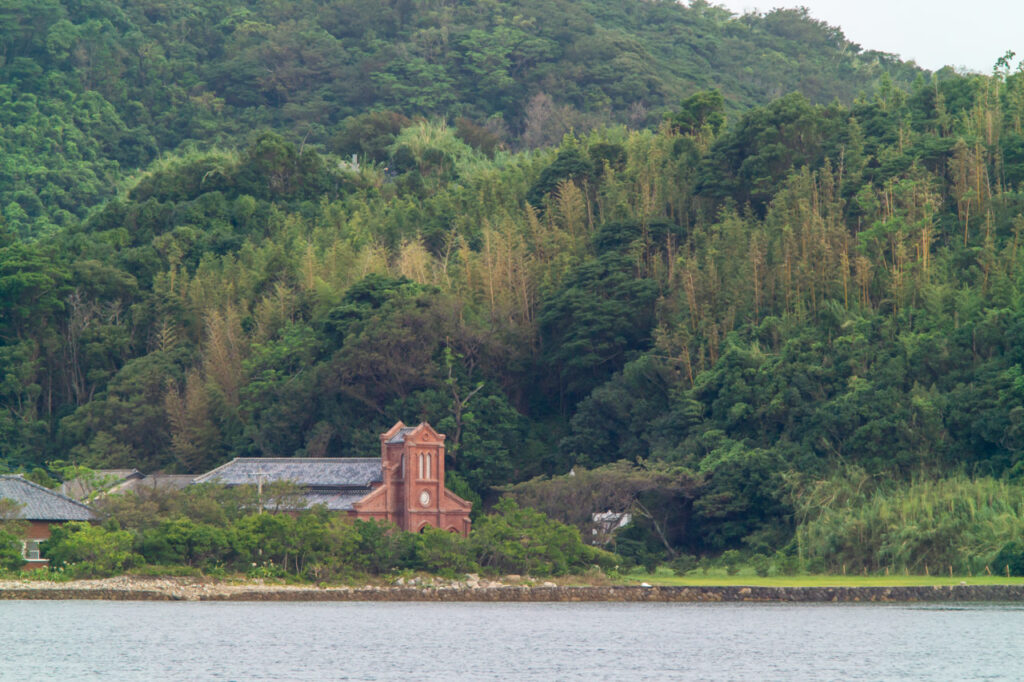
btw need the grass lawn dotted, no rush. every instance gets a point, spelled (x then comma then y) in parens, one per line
(664, 576)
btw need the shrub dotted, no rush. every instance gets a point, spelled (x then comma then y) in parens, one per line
(761, 564)
(683, 564)
(382, 547)
(525, 541)
(731, 559)
(439, 551)
(10, 551)
(89, 550)
(787, 564)
(182, 541)
(264, 537)
(1010, 558)
(943, 523)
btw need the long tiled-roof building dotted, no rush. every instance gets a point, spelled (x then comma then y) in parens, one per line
(404, 485)
(336, 482)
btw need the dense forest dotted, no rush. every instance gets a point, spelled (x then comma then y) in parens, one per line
(90, 92)
(593, 243)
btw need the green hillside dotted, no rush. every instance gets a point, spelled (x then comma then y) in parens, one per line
(791, 329)
(90, 92)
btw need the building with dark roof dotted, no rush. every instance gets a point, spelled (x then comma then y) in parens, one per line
(40, 507)
(405, 485)
(337, 482)
(152, 482)
(102, 482)
(84, 487)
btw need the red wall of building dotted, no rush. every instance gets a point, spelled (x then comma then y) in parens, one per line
(38, 530)
(413, 494)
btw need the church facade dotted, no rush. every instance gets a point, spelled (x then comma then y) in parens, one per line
(412, 493)
(404, 486)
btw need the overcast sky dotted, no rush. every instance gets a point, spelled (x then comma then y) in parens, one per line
(971, 34)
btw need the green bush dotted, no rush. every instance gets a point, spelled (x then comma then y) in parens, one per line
(381, 547)
(683, 564)
(264, 537)
(761, 564)
(941, 523)
(10, 551)
(731, 559)
(89, 550)
(1010, 558)
(525, 541)
(182, 541)
(443, 552)
(786, 564)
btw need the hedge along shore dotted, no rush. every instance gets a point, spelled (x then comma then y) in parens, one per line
(170, 589)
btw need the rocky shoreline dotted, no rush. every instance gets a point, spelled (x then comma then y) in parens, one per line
(177, 589)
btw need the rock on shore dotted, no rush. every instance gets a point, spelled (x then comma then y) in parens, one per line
(474, 589)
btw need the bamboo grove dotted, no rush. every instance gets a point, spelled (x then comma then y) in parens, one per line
(723, 320)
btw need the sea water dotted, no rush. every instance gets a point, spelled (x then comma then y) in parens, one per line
(88, 640)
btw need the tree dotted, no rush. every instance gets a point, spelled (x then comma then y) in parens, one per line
(32, 284)
(525, 541)
(704, 108)
(368, 135)
(589, 328)
(182, 541)
(750, 161)
(12, 534)
(89, 550)
(660, 497)
(615, 421)
(570, 164)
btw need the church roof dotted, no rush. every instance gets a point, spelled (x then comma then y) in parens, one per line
(422, 433)
(317, 472)
(42, 504)
(402, 433)
(334, 501)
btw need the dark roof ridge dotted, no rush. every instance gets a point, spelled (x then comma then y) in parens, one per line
(303, 459)
(209, 475)
(361, 471)
(49, 490)
(44, 489)
(400, 435)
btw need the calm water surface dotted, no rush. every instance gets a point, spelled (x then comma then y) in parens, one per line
(41, 640)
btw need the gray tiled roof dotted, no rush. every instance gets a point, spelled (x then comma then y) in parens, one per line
(400, 436)
(331, 472)
(42, 504)
(336, 501)
(154, 482)
(81, 488)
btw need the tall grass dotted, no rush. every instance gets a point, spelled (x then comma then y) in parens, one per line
(922, 527)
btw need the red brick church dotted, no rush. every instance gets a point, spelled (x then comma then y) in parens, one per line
(412, 493)
(405, 486)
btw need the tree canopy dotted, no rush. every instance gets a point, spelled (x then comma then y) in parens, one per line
(744, 293)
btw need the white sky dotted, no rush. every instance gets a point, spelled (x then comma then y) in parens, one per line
(971, 34)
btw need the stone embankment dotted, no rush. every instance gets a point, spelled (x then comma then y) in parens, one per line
(175, 589)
